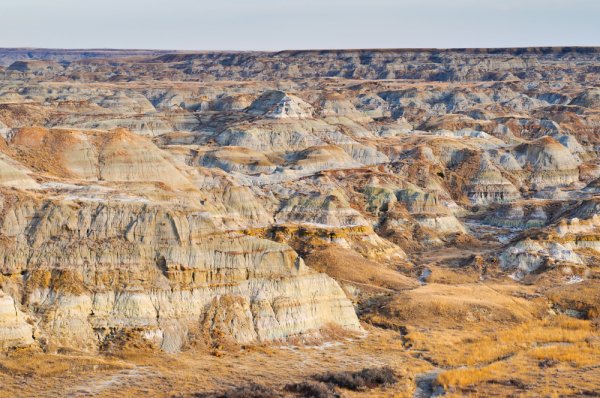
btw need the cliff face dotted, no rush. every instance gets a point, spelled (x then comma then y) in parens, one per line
(173, 197)
(82, 260)
(82, 269)
(14, 330)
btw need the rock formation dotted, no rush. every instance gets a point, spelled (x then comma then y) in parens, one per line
(174, 196)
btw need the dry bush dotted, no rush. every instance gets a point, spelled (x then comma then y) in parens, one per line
(361, 380)
(313, 389)
(124, 342)
(251, 390)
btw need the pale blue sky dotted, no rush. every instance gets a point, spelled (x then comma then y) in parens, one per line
(297, 24)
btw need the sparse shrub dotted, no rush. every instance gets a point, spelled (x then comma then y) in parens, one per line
(251, 390)
(361, 380)
(547, 363)
(313, 389)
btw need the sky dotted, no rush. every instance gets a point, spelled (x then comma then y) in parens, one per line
(297, 24)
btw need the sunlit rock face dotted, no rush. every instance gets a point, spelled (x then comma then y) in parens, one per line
(96, 267)
(550, 162)
(175, 196)
(14, 329)
(280, 105)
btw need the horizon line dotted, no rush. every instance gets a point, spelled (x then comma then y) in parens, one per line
(35, 48)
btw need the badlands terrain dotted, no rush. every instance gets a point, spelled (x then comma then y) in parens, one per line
(379, 223)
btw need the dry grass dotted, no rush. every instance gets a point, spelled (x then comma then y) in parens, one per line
(195, 371)
(579, 354)
(493, 339)
(479, 348)
(469, 376)
(27, 362)
(519, 357)
(505, 350)
(349, 266)
(450, 276)
(446, 306)
(584, 297)
(553, 370)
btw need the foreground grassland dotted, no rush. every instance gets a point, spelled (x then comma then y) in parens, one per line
(458, 347)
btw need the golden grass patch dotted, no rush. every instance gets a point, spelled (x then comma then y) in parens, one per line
(28, 362)
(437, 306)
(451, 349)
(349, 266)
(465, 377)
(452, 276)
(520, 354)
(580, 354)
